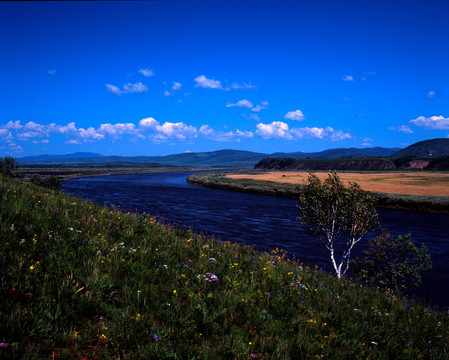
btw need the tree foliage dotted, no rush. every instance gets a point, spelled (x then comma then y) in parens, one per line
(337, 215)
(8, 166)
(393, 263)
(49, 182)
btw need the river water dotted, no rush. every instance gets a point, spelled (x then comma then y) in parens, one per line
(264, 221)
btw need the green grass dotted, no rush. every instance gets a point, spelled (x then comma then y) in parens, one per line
(80, 281)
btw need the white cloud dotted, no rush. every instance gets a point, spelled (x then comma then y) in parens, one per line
(402, 128)
(113, 89)
(13, 125)
(224, 136)
(348, 78)
(204, 82)
(431, 95)
(178, 130)
(149, 122)
(4, 133)
(146, 72)
(52, 72)
(115, 130)
(295, 115)
(168, 93)
(89, 134)
(280, 130)
(44, 141)
(337, 135)
(176, 86)
(127, 88)
(433, 122)
(69, 128)
(275, 130)
(242, 86)
(263, 105)
(134, 88)
(242, 103)
(73, 142)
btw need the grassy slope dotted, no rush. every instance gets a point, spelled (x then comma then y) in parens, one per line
(81, 281)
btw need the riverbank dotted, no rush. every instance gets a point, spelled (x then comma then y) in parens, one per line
(67, 171)
(249, 182)
(85, 281)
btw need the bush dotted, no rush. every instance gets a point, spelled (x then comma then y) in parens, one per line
(8, 166)
(392, 263)
(49, 182)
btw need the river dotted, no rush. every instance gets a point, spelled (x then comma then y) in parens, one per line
(264, 221)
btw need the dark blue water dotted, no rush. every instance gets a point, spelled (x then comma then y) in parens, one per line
(264, 221)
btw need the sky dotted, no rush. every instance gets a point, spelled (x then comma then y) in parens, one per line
(165, 77)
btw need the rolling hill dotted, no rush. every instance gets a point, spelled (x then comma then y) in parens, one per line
(434, 148)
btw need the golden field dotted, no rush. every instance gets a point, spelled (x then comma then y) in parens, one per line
(410, 183)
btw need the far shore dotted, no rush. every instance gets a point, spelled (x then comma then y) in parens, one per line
(66, 172)
(422, 183)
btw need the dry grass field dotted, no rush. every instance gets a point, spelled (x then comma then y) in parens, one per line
(410, 183)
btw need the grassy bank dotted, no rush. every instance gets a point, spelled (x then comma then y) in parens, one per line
(80, 281)
(67, 171)
(218, 180)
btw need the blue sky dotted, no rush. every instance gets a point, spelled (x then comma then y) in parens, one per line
(164, 77)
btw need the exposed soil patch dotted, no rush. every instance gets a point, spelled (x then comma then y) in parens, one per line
(411, 183)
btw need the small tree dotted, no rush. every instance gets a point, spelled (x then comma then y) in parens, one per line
(337, 215)
(8, 166)
(393, 263)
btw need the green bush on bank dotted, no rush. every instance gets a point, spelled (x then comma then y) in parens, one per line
(81, 281)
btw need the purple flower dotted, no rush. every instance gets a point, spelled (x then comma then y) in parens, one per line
(3, 345)
(209, 277)
(155, 337)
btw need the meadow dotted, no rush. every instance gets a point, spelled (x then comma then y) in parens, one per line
(82, 281)
(409, 183)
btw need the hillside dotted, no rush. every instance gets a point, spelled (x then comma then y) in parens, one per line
(434, 148)
(325, 164)
(81, 281)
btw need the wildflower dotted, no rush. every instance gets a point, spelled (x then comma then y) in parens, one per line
(174, 291)
(3, 345)
(212, 260)
(252, 356)
(209, 277)
(155, 337)
(31, 267)
(250, 343)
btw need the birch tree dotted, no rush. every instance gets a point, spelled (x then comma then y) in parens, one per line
(337, 215)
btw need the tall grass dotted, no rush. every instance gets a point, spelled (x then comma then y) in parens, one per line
(81, 281)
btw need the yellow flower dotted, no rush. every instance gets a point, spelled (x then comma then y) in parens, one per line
(31, 267)
(174, 291)
(250, 343)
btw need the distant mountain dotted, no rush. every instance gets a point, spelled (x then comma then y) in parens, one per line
(341, 153)
(224, 158)
(434, 148)
(56, 159)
